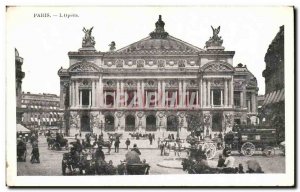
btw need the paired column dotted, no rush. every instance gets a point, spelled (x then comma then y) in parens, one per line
(204, 93)
(159, 98)
(253, 100)
(163, 93)
(208, 92)
(180, 93)
(93, 94)
(242, 99)
(225, 92)
(184, 94)
(100, 85)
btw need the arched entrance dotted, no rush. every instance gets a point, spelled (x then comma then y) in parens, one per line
(130, 123)
(85, 123)
(150, 123)
(109, 123)
(172, 123)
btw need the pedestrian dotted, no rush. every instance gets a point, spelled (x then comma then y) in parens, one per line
(99, 154)
(162, 147)
(221, 161)
(150, 139)
(117, 145)
(127, 142)
(153, 136)
(35, 154)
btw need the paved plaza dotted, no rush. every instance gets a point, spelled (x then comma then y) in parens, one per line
(51, 160)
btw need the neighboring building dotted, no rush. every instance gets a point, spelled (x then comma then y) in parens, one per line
(40, 110)
(154, 84)
(19, 76)
(273, 107)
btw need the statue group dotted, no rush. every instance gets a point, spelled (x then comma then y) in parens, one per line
(88, 40)
(215, 40)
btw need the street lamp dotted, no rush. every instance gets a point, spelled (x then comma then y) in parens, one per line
(101, 126)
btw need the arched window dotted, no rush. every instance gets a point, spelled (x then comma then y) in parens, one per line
(109, 123)
(172, 123)
(150, 123)
(130, 123)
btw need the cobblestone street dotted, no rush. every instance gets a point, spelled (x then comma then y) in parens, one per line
(51, 161)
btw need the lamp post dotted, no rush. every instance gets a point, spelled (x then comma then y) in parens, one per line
(101, 126)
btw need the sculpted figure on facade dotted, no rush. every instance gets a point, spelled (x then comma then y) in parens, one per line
(88, 40)
(95, 119)
(74, 121)
(228, 121)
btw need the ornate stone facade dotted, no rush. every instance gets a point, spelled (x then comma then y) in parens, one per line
(155, 84)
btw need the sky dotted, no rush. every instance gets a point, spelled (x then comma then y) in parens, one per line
(44, 42)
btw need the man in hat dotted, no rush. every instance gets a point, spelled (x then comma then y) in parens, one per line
(99, 154)
(136, 149)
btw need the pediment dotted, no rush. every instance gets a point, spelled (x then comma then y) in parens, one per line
(217, 66)
(84, 67)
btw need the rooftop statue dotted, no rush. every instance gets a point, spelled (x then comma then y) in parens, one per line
(159, 32)
(112, 46)
(88, 39)
(215, 40)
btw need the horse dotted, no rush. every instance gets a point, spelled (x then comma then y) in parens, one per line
(107, 144)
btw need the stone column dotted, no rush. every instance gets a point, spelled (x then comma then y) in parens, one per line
(122, 96)
(80, 98)
(118, 94)
(163, 101)
(73, 94)
(100, 85)
(115, 98)
(96, 94)
(93, 93)
(208, 93)
(197, 98)
(204, 93)
(77, 94)
(184, 94)
(143, 94)
(231, 92)
(159, 93)
(225, 92)
(241, 99)
(180, 93)
(90, 98)
(138, 95)
(253, 99)
(200, 94)
(212, 98)
(221, 97)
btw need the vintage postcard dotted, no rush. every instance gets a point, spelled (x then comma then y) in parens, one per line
(150, 96)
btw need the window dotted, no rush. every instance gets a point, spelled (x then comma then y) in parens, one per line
(130, 98)
(237, 99)
(217, 97)
(191, 98)
(151, 100)
(172, 98)
(85, 100)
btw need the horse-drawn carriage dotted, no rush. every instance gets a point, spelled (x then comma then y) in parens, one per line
(114, 136)
(133, 169)
(209, 146)
(246, 140)
(57, 143)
